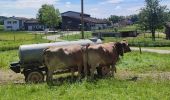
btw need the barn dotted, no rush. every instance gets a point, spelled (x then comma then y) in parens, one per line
(34, 25)
(72, 21)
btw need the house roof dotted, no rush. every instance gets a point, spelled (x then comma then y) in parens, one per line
(74, 12)
(32, 21)
(17, 18)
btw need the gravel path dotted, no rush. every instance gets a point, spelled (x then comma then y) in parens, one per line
(152, 50)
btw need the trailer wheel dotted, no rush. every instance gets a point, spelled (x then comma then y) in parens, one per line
(34, 77)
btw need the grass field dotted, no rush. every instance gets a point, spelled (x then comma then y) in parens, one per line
(144, 66)
(145, 40)
(104, 89)
(6, 57)
(1, 27)
(12, 40)
(120, 29)
(76, 36)
(158, 48)
(122, 87)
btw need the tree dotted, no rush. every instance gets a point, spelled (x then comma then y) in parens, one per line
(49, 16)
(116, 19)
(134, 18)
(152, 16)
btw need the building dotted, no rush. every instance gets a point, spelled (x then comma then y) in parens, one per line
(14, 23)
(167, 30)
(72, 21)
(21, 23)
(34, 25)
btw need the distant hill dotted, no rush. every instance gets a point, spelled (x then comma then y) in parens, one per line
(2, 18)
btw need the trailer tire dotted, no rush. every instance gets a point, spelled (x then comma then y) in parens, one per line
(34, 77)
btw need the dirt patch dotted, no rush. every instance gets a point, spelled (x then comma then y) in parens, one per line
(156, 75)
(8, 76)
(130, 75)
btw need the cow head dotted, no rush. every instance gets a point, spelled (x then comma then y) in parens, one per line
(119, 48)
(125, 46)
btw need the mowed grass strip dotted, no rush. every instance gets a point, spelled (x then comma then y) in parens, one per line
(104, 89)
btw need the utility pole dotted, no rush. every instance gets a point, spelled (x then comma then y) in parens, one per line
(82, 18)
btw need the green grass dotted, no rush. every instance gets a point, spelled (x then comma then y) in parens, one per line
(6, 57)
(76, 36)
(12, 40)
(128, 28)
(1, 27)
(120, 29)
(145, 40)
(104, 89)
(134, 61)
(158, 48)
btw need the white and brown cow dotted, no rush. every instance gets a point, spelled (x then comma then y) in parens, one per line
(104, 55)
(66, 57)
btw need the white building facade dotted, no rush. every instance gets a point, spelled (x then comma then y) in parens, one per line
(14, 23)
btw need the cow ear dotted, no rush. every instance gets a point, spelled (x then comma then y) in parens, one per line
(119, 48)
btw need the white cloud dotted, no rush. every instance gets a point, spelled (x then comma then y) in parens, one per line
(94, 12)
(23, 4)
(117, 8)
(17, 15)
(111, 2)
(68, 4)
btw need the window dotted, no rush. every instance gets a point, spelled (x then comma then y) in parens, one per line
(9, 27)
(9, 22)
(14, 22)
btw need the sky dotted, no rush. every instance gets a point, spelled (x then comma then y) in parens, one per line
(96, 8)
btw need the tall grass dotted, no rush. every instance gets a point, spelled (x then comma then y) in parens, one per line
(144, 62)
(7, 57)
(104, 89)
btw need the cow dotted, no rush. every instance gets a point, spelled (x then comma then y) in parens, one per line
(104, 55)
(65, 57)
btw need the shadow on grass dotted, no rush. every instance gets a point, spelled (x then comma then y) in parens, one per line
(71, 80)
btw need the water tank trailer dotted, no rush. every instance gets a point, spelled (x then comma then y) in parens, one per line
(31, 58)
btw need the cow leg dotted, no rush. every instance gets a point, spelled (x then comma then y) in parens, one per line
(72, 74)
(113, 70)
(49, 77)
(99, 71)
(79, 72)
(93, 68)
(85, 70)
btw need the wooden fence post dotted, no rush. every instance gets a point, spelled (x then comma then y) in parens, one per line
(140, 48)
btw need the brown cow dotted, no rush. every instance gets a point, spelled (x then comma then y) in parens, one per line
(104, 55)
(66, 57)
